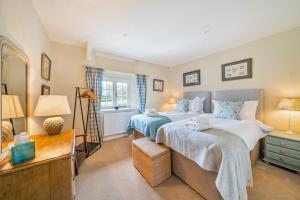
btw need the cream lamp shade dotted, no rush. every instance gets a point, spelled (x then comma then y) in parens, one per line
(11, 107)
(291, 104)
(52, 105)
(172, 100)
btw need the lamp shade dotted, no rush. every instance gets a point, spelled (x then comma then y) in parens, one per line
(52, 105)
(291, 104)
(11, 107)
(172, 100)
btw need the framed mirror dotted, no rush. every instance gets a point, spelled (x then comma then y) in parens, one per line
(14, 93)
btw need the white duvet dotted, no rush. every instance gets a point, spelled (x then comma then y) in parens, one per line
(176, 115)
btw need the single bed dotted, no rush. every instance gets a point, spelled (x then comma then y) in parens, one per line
(142, 125)
(201, 180)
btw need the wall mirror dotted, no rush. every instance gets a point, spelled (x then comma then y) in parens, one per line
(14, 92)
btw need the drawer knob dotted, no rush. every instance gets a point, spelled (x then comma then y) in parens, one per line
(281, 158)
(281, 143)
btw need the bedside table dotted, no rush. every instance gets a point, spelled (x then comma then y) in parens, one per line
(283, 149)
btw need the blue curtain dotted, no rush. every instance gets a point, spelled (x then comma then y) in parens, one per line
(141, 83)
(94, 78)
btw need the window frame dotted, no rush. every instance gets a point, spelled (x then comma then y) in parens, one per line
(116, 80)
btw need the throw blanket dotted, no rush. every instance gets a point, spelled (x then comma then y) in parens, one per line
(148, 125)
(213, 150)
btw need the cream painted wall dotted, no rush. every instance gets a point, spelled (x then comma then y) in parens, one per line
(276, 69)
(67, 73)
(20, 23)
(154, 99)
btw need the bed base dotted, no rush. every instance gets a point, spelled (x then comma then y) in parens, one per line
(201, 180)
(191, 173)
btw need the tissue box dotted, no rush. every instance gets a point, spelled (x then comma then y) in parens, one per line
(22, 152)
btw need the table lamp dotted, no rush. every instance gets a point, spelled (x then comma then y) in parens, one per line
(11, 109)
(172, 100)
(52, 105)
(290, 104)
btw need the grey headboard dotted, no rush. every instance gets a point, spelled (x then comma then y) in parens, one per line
(200, 94)
(243, 95)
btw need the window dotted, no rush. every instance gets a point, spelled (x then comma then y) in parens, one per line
(115, 92)
(107, 94)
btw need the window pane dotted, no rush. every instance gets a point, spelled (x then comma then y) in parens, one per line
(122, 97)
(107, 93)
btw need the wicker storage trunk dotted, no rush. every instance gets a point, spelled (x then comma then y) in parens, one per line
(151, 160)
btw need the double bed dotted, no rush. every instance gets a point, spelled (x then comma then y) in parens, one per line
(188, 169)
(201, 180)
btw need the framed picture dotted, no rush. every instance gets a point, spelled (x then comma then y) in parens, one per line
(158, 85)
(45, 67)
(45, 90)
(191, 78)
(237, 70)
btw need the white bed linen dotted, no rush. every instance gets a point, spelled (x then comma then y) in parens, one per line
(176, 115)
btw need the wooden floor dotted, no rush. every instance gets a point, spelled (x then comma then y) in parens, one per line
(109, 175)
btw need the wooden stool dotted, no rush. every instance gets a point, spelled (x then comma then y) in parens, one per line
(151, 160)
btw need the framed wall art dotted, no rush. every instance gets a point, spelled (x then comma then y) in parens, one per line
(191, 78)
(158, 85)
(45, 67)
(237, 70)
(45, 90)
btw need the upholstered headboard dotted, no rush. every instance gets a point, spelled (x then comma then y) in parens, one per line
(201, 94)
(243, 95)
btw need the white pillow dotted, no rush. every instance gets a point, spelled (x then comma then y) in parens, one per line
(248, 111)
(196, 105)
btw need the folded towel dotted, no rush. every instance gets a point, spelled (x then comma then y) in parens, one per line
(198, 124)
(151, 110)
(151, 114)
(197, 127)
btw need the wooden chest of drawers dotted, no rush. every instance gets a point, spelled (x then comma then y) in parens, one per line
(283, 149)
(49, 176)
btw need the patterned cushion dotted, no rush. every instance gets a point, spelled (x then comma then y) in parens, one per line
(227, 109)
(182, 105)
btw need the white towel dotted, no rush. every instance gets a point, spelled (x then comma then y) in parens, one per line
(151, 112)
(198, 124)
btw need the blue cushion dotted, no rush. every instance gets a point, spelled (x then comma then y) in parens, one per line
(227, 109)
(182, 105)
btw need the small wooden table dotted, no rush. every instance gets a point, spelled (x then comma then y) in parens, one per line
(49, 176)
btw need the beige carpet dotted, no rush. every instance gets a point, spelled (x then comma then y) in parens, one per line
(109, 175)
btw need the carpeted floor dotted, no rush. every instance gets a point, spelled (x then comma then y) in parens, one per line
(109, 175)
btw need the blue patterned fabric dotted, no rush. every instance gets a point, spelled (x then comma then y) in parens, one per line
(227, 109)
(147, 125)
(94, 78)
(182, 105)
(141, 84)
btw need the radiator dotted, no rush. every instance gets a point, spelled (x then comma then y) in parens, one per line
(116, 122)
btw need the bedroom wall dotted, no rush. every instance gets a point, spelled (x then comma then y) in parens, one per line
(67, 72)
(276, 69)
(20, 23)
(154, 99)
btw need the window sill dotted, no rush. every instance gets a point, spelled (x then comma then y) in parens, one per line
(112, 110)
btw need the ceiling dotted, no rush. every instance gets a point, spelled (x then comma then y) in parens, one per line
(165, 32)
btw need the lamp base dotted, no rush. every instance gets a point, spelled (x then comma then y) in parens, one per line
(53, 125)
(290, 132)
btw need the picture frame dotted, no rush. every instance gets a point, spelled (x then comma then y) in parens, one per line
(158, 85)
(45, 67)
(192, 78)
(45, 90)
(237, 70)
